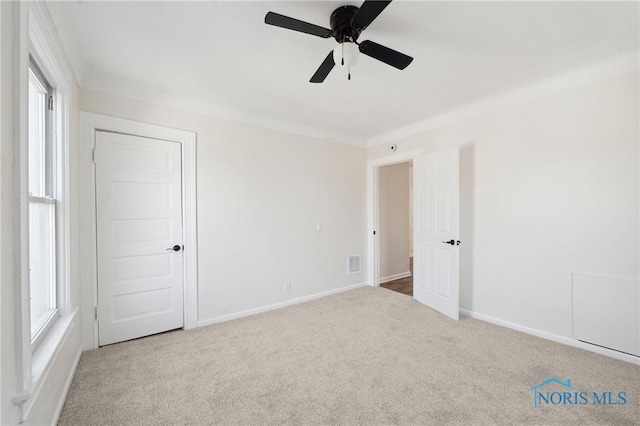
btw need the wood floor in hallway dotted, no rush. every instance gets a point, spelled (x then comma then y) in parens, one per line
(402, 285)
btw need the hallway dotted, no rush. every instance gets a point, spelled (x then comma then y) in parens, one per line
(402, 285)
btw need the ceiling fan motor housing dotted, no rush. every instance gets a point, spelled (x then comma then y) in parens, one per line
(342, 24)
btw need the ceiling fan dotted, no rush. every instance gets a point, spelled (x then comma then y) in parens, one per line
(347, 22)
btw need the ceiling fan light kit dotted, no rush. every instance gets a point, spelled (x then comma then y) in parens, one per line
(347, 22)
(346, 54)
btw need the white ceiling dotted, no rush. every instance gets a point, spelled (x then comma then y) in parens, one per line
(221, 55)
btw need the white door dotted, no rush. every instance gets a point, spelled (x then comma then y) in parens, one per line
(435, 231)
(139, 221)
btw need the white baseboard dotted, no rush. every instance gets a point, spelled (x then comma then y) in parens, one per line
(67, 386)
(395, 277)
(553, 337)
(274, 306)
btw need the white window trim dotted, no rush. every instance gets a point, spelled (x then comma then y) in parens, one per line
(47, 322)
(89, 124)
(36, 36)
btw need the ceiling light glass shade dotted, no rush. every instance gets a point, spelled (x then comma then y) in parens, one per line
(348, 51)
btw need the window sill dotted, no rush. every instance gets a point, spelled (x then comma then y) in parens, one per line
(48, 349)
(42, 360)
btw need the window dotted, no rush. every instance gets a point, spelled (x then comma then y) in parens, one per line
(42, 206)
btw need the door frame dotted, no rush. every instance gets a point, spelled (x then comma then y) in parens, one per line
(89, 124)
(373, 213)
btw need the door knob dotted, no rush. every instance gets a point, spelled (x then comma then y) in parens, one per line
(174, 248)
(452, 242)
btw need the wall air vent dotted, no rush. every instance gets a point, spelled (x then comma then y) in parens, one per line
(353, 264)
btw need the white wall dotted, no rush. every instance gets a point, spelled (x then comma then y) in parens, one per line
(260, 196)
(8, 381)
(411, 208)
(40, 378)
(393, 231)
(548, 187)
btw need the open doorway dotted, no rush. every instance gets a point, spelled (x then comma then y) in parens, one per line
(395, 216)
(436, 188)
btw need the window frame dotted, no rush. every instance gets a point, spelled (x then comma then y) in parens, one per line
(51, 191)
(34, 34)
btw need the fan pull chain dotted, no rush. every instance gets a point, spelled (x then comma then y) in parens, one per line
(342, 47)
(349, 75)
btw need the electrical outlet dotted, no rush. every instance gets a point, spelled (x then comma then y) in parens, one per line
(287, 286)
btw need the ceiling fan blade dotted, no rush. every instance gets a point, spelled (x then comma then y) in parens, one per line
(369, 11)
(296, 25)
(325, 68)
(386, 55)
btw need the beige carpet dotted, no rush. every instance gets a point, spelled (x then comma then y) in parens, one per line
(368, 356)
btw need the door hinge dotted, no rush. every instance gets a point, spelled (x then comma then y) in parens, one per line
(50, 103)
(96, 312)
